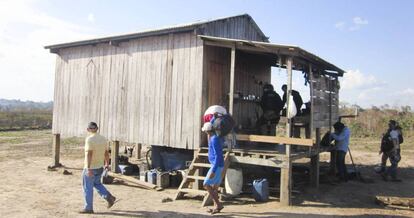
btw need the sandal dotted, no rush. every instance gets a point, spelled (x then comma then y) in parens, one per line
(216, 210)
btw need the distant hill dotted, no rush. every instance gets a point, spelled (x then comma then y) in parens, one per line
(18, 105)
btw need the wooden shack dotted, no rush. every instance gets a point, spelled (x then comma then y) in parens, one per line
(152, 87)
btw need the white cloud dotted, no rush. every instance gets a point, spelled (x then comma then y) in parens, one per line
(355, 24)
(355, 79)
(340, 25)
(359, 21)
(91, 18)
(27, 69)
(407, 92)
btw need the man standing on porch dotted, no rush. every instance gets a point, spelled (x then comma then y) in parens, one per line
(215, 157)
(96, 155)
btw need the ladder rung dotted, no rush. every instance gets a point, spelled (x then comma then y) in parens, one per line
(205, 165)
(193, 191)
(196, 177)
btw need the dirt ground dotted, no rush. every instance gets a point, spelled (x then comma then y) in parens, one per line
(28, 190)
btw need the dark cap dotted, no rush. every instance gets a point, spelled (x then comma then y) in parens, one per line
(268, 87)
(92, 125)
(339, 126)
(393, 122)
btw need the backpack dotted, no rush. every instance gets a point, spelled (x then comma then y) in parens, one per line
(223, 124)
(400, 138)
(386, 143)
(326, 140)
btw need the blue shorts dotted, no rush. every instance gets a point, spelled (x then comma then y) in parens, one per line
(216, 180)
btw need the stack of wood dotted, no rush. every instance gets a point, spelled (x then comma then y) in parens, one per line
(136, 182)
(395, 201)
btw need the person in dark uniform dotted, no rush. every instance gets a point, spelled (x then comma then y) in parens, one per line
(296, 98)
(271, 105)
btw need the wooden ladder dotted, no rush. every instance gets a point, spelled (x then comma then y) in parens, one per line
(200, 161)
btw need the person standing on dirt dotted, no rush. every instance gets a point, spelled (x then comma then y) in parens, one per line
(296, 98)
(215, 157)
(390, 149)
(96, 156)
(341, 137)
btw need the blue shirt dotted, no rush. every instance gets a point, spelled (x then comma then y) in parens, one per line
(342, 139)
(215, 152)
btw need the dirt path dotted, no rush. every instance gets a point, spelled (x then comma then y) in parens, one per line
(29, 190)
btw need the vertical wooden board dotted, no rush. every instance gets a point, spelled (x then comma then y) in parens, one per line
(163, 53)
(148, 90)
(134, 84)
(74, 91)
(174, 92)
(149, 95)
(186, 132)
(129, 116)
(168, 90)
(142, 119)
(57, 94)
(159, 65)
(198, 81)
(179, 99)
(140, 89)
(106, 97)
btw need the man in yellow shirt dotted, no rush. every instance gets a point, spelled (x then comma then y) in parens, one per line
(96, 156)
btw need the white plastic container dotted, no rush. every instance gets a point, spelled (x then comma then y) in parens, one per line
(233, 181)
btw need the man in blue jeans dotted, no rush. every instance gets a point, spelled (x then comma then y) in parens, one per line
(215, 157)
(96, 156)
(341, 137)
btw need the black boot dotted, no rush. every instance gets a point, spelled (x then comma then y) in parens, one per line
(111, 200)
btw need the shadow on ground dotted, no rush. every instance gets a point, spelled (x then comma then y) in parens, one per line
(172, 214)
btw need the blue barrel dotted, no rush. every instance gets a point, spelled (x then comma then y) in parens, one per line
(261, 190)
(152, 176)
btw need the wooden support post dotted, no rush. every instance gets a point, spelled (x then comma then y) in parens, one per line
(139, 150)
(56, 150)
(314, 173)
(114, 156)
(232, 68)
(286, 173)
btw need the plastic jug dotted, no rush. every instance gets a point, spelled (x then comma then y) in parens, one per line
(261, 190)
(152, 176)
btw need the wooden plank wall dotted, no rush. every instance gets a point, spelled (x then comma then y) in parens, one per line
(326, 101)
(248, 69)
(143, 91)
(236, 27)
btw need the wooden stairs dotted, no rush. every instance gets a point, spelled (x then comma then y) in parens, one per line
(200, 161)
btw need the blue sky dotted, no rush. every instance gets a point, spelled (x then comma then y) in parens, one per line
(372, 40)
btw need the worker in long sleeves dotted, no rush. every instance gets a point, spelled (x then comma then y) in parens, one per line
(215, 157)
(341, 137)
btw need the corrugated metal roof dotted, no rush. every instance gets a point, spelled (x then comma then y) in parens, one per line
(150, 32)
(278, 49)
